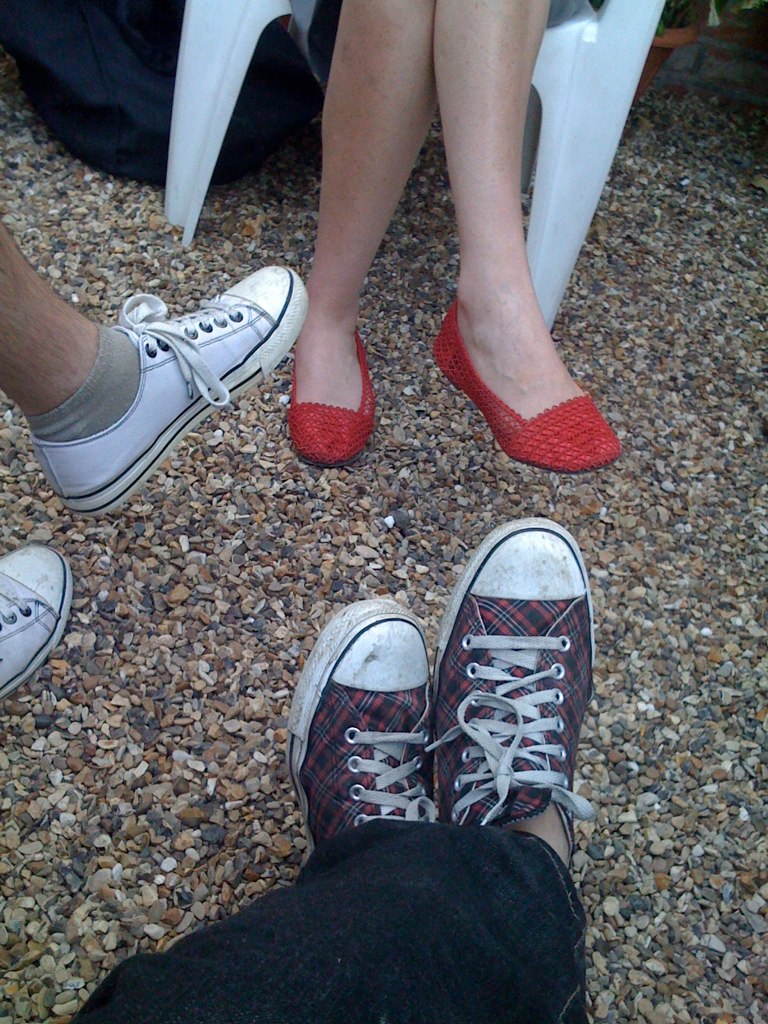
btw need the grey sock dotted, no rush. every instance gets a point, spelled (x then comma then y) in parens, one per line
(107, 393)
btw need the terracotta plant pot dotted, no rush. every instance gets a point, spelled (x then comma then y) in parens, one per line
(661, 50)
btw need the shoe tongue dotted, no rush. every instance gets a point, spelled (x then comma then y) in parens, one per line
(506, 617)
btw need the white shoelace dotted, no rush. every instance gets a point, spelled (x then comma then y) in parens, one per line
(497, 741)
(145, 317)
(10, 608)
(413, 800)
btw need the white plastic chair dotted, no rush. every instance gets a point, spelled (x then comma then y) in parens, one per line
(585, 76)
(217, 43)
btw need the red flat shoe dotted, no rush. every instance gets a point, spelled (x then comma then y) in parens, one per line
(328, 435)
(568, 438)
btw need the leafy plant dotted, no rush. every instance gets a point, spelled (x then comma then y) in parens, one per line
(679, 13)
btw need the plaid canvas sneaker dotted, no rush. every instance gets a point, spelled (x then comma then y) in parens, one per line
(360, 721)
(513, 677)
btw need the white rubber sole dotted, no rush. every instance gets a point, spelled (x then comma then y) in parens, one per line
(479, 558)
(331, 645)
(252, 372)
(52, 642)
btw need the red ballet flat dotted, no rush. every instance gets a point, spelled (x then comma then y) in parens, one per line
(568, 438)
(329, 435)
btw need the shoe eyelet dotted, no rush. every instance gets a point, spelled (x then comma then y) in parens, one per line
(417, 763)
(565, 643)
(163, 346)
(466, 642)
(208, 328)
(218, 322)
(465, 756)
(471, 671)
(10, 619)
(236, 318)
(557, 670)
(454, 815)
(26, 611)
(560, 697)
(151, 352)
(457, 784)
(560, 725)
(425, 737)
(351, 735)
(191, 334)
(353, 763)
(563, 755)
(359, 820)
(356, 791)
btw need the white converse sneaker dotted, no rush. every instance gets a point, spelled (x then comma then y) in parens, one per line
(188, 366)
(35, 594)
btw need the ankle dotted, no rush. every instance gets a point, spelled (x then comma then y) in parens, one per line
(77, 350)
(108, 390)
(330, 310)
(548, 826)
(500, 312)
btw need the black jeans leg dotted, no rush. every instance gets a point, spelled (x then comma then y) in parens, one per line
(393, 921)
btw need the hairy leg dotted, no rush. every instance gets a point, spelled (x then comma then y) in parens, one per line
(35, 322)
(485, 51)
(378, 108)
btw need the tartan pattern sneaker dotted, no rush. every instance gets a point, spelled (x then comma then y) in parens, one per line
(513, 677)
(360, 722)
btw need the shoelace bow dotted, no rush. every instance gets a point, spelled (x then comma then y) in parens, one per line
(145, 317)
(413, 800)
(497, 742)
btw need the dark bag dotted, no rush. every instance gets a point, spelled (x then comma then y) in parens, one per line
(100, 73)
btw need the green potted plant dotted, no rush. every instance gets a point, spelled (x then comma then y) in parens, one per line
(680, 24)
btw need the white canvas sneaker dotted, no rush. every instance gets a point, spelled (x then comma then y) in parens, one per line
(188, 366)
(35, 595)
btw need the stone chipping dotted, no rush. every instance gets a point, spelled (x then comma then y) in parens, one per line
(142, 786)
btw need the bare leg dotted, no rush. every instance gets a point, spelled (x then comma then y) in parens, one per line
(34, 320)
(485, 51)
(379, 105)
(549, 827)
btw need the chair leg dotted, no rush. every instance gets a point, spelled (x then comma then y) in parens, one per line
(217, 44)
(585, 76)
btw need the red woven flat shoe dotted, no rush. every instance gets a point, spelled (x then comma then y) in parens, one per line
(328, 435)
(568, 438)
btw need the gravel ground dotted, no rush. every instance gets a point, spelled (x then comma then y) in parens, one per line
(142, 787)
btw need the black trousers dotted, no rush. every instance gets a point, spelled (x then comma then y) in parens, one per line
(394, 922)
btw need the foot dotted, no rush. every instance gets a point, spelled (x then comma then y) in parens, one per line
(188, 366)
(332, 435)
(513, 677)
(35, 595)
(514, 355)
(327, 368)
(569, 437)
(360, 721)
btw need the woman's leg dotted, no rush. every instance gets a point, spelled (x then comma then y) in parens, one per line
(485, 51)
(379, 105)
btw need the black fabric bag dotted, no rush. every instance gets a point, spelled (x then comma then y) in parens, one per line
(100, 73)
